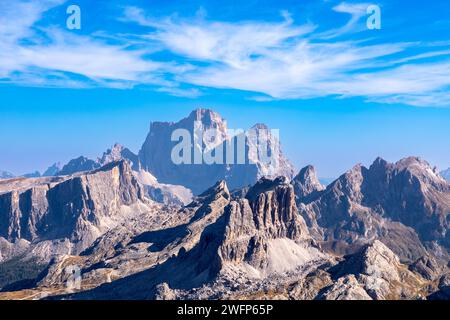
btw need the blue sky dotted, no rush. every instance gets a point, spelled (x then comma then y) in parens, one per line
(339, 93)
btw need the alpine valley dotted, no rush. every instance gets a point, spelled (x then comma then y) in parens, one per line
(138, 226)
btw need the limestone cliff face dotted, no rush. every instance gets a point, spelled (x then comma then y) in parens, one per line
(404, 204)
(155, 155)
(76, 207)
(274, 209)
(251, 224)
(22, 212)
(248, 231)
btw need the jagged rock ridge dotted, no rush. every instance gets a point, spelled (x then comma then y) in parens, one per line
(156, 152)
(446, 174)
(78, 207)
(405, 204)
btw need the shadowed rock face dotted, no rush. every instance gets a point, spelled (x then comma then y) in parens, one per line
(446, 174)
(307, 185)
(268, 213)
(245, 232)
(273, 205)
(398, 203)
(155, 155)
(74, 207)
(427, 267)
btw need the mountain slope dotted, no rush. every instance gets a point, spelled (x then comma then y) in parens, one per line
(405, 204)
(79, 207)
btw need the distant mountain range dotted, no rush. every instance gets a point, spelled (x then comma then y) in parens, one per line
(139, 227)
(446, 174)
(156, 152)
(6, 175)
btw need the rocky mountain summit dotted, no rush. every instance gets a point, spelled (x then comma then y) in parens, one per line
(247, 164)
(406, 205)
(139, 226)
(238, 158)
(307, 185)
(446, 174)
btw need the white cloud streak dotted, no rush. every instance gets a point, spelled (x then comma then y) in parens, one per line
(277, 60)
(47, 61)
(284, 61)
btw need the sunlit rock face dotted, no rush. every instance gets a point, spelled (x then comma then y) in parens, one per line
(405, 204)
(78, 207)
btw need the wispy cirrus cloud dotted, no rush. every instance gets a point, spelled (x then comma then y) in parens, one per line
(285, 61)
(356, 11)
(50, 56)
(272, 60)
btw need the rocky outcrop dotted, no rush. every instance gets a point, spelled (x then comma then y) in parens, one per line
(379, 272)
(260, 227)
(405, 204)
(79, 207)
(198, 173)
(345, 288)
(307, 185)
